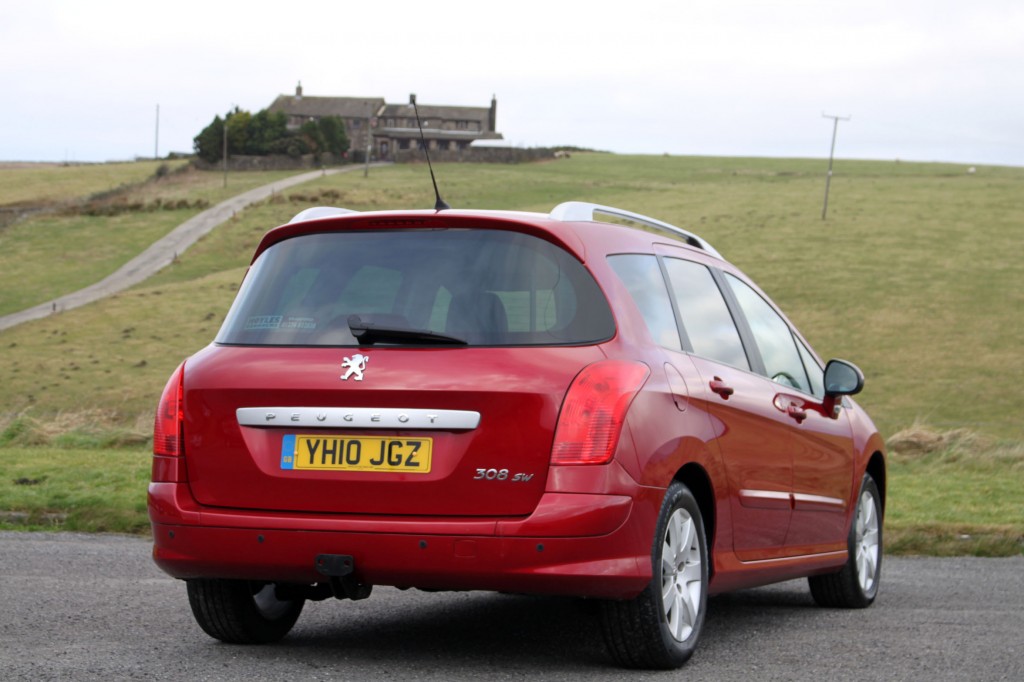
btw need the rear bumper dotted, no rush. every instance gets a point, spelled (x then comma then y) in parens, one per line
(573, 544)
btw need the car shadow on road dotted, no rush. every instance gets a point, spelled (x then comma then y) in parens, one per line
(483, 632)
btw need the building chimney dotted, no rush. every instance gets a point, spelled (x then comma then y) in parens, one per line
(298, 91)
(492, 119)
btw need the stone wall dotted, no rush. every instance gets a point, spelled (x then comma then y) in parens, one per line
(476, 155)
(473, 155)
(240, 162)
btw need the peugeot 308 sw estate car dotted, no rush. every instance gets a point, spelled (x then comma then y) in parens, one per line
(589, 403)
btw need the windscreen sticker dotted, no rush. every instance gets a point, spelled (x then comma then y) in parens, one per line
(279, 322)
(299, 323)
(263, 322)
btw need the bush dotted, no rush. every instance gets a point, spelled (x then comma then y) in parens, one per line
(266, 133)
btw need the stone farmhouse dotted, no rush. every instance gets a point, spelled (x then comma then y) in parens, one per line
(389, 129)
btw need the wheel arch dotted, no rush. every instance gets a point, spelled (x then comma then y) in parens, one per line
(694, 477)
(876, 469)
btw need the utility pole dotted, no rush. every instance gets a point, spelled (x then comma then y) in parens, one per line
(831, 155)
(370, 123)
(226, 149)
(156, 141)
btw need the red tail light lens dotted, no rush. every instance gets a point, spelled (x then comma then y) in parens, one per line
(169, 416)
(594, 410)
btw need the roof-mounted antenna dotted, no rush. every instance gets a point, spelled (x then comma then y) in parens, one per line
(440, 204)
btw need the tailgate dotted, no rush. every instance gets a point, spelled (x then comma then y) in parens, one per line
(438, 431)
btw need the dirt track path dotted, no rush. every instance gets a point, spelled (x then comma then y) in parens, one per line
(163, 251)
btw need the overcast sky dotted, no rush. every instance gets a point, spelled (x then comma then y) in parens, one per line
(927, 80)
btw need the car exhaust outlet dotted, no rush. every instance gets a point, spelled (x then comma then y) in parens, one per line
(339, 570)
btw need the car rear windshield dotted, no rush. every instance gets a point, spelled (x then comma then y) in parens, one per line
(449, 286)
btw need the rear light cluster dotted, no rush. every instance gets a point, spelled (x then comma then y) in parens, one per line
(594, 410)
(169, 417)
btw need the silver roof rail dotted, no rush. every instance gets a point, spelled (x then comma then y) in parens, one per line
(317, 212)
(585, 212)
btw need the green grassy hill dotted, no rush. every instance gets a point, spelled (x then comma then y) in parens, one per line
(38, 184)
(88, 233)
(915, 276)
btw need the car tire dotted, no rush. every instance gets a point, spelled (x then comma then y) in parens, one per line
(856, 585)
(242, 612)
(659, 629)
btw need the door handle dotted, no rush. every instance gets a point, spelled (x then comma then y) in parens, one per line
(796, 412)
(721, 388)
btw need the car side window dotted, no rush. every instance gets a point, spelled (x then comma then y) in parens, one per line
(814, 371)
(642, 276)
(705, 316)
(773, 337)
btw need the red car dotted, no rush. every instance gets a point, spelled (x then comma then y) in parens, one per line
(478, 400)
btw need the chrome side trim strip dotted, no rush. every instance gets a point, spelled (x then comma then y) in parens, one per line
(802, 502)
(773, 499)
(765, 499)
(358, 418)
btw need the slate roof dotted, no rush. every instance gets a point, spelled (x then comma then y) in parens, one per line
(448, 113)
(346, 107)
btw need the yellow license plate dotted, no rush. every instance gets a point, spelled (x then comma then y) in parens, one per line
(362, 453)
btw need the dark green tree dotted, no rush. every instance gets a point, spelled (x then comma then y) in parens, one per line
(313, 137)
(209, 144)
(238, 123)
(267, 133)
(332, 130)
(265, 128)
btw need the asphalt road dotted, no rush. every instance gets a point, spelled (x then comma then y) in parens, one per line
(84, 607)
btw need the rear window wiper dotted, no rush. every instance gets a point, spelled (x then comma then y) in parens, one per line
(372, 331)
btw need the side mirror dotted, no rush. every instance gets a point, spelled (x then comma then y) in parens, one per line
(842, 378)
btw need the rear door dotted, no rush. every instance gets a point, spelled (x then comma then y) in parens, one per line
(753, 436)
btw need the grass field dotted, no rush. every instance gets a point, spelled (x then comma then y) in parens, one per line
(914, 276)
(31, 184)
(53, 254)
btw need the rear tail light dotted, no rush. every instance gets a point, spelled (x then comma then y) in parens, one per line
(169, 417)
(594, 410)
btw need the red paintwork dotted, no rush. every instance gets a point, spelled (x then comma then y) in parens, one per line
(777, 475)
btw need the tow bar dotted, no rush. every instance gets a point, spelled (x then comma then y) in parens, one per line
(339, 568)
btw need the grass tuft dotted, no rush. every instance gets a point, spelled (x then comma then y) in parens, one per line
(92, 429)
(953, 493)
